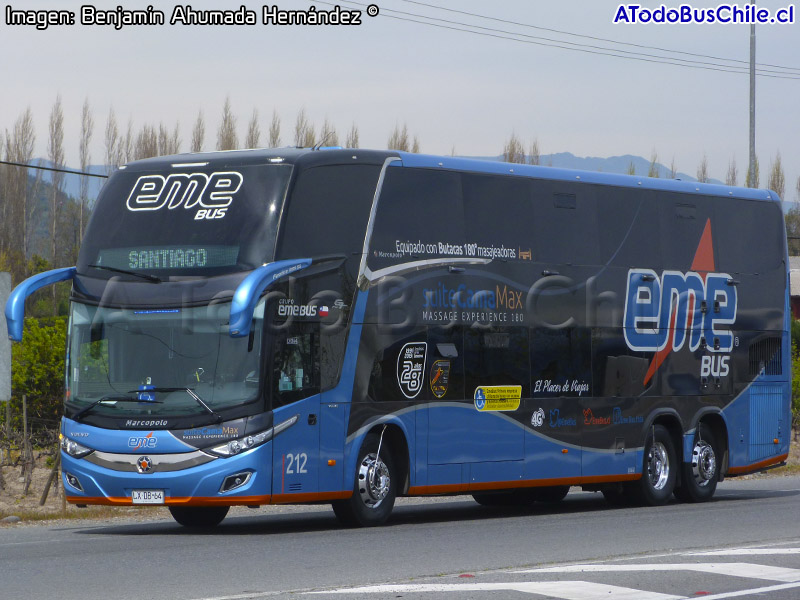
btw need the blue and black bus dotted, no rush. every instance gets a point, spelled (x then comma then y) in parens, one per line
(348, 326)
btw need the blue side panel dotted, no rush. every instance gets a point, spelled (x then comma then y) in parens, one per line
(545, 458)
(766, 421)
(597, 463)
(296, 451)
(420, 471)
(504, 470)
(452, 435)
(755, 419)
(335, 410)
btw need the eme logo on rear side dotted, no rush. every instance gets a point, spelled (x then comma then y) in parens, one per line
(210, 194)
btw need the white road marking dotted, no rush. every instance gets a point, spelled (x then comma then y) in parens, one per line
(248, 596)
(566, 590)
(746, 552)
(747, 570)
(741, 593)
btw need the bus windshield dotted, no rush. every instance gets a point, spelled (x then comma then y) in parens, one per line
(160, 361)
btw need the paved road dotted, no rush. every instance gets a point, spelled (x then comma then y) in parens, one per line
(451, 547)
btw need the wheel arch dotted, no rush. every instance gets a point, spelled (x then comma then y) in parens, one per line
(396, 437)
(672, 422)
(714, 419)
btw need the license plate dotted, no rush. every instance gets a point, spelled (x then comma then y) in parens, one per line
(147, 496)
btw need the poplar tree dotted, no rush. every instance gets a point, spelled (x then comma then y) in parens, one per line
(303, 131)
(733, 173)
(328, 135)
(352, 137)
(55, 153)
(198, 133)
(112, 143)
(253, 132)
(275, 130)
(653, 170)
(87, 129)
(702, 170)
(226, 134)
(534, 155)
(753, 184)
(777, 180)
(398, 140)
(513, 151)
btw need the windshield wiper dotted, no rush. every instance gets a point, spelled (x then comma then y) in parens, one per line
(110, 398)
(145, 276)
(189, 391)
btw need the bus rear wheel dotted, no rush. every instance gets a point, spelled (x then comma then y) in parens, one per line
(700, 475)
(659, 469)
(375, 487)
(198, 516)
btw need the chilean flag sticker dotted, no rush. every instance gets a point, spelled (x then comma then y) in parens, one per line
(323, 311)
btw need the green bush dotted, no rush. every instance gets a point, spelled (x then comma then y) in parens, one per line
(37, 371)
(795, 386)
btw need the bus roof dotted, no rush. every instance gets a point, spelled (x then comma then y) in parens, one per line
(307, 157)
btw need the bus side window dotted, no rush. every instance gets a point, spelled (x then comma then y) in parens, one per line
(497, 356)
(398, 372)
(295, 368)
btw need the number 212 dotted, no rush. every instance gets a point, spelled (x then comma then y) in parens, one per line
(297, 463)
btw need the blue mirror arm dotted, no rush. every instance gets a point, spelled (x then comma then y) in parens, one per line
(15, 307)
(249, 291)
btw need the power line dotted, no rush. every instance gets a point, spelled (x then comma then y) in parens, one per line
(16, 164)
(584, 48)
(599, 39)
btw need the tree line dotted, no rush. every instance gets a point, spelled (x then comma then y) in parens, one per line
(41, 227)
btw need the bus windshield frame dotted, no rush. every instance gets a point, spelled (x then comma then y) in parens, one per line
(165, 362)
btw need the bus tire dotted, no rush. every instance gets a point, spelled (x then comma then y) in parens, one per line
(658, 470)
(198, 516)
(375, 487)
(700, 475)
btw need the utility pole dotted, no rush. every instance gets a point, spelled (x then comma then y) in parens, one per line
(752, 165)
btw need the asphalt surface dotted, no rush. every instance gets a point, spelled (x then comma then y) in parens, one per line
(745, 542)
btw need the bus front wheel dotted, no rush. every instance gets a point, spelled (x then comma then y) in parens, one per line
(700, 476)
(659, 469)
(198, 516)
(375, 487)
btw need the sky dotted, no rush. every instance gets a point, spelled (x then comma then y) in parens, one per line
(455, 90)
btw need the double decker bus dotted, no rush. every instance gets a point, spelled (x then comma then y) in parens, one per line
(349, 326)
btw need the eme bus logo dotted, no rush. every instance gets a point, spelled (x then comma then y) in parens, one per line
(147, 441)
(212, 193)
(663, 313)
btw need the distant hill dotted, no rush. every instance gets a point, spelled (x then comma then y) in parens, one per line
(72, 183)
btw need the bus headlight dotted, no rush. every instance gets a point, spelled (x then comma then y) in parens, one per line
(73, 448)
(239, 445)
(247, 442)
